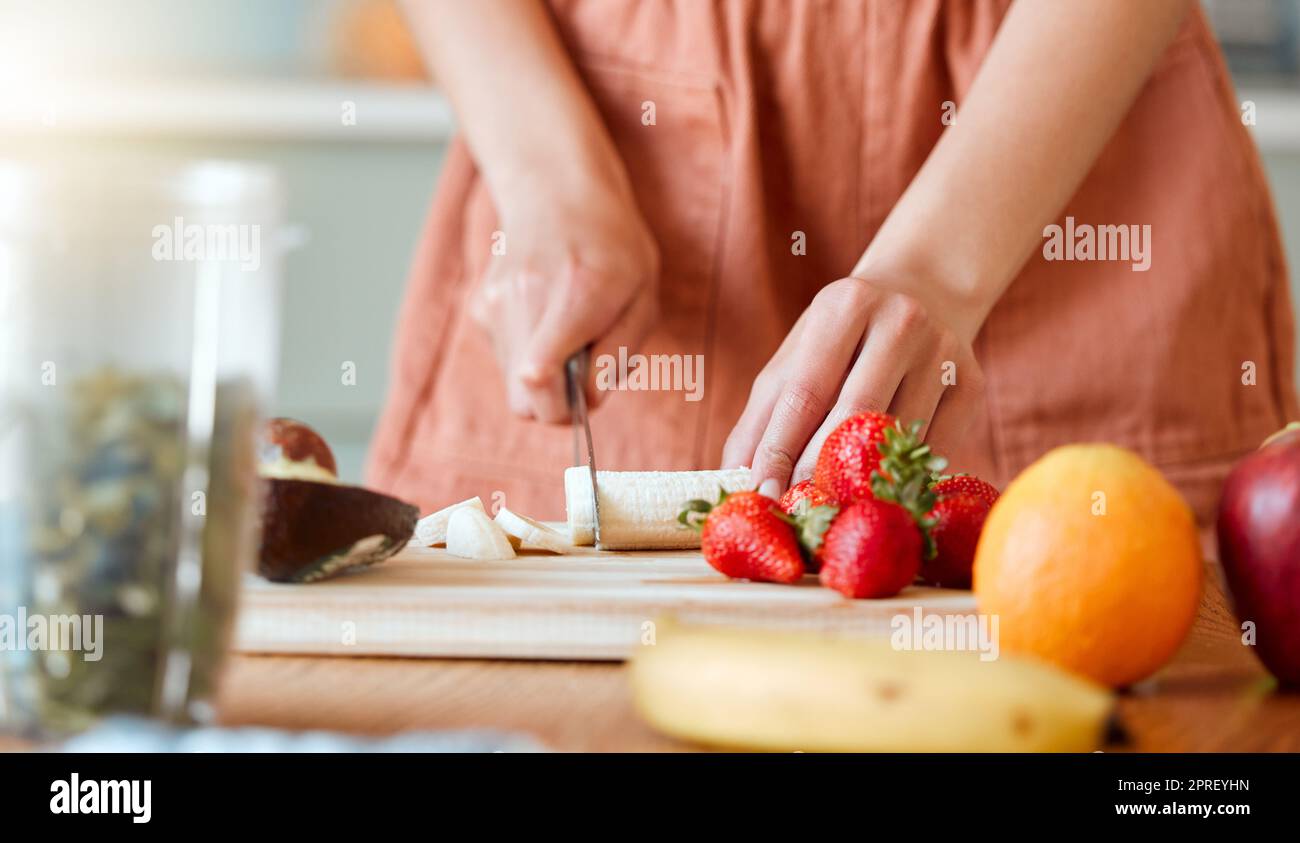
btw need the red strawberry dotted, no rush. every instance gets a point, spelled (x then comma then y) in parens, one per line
(958, 517)
(812, 510)
(872, 549)
(850, 455)
(965, 484)
(744, 536)
(804, 490)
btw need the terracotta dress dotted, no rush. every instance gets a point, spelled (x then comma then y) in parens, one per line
(773, 118)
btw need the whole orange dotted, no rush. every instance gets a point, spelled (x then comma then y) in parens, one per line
(1090, 560)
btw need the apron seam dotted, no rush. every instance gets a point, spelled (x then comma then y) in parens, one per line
(716, 273)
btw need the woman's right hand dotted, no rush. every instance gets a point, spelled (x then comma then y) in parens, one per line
(577, 268)
(579, 265)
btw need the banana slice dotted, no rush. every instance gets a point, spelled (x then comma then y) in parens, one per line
(532, 532)
(432, 529)
(639, 509)
(471, 534)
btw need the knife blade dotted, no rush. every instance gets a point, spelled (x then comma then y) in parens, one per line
(575, 371)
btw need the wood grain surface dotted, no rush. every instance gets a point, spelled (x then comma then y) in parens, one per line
(1213, 696)
(587, 605)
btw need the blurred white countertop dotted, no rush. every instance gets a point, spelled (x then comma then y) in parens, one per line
(327, 110)
(242, 109)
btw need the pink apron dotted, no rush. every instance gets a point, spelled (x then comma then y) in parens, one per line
(775, 118)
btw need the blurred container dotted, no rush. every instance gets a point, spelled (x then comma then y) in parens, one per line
(139, 341)
(1259, 37)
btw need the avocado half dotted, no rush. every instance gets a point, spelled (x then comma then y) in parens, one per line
(313, 530)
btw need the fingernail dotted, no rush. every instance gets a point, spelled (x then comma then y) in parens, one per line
(770, 488)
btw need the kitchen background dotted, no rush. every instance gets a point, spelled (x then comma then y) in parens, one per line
(272, 80)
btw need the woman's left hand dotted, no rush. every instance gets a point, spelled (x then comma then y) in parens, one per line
(857, 347)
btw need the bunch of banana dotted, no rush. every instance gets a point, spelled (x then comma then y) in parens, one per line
(787, 692)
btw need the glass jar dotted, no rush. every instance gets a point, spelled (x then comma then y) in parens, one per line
(138, 342)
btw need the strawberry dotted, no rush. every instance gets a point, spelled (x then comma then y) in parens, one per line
(810, 509)
(965, 484)
(872, 549)
(745, 536)
(803, 495)
(958, 521)
(850, 455)
(963, 504)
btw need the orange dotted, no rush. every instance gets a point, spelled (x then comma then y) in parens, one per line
(1090, 560)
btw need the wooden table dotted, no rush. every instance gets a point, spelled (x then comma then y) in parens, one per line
(1213, 696)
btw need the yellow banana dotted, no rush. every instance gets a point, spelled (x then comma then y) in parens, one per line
(786, 692)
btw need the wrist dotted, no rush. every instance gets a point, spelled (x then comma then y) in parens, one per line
(578, 171)
(962, 303)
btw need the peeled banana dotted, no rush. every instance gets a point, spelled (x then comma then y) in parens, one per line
(786, 692)
(639, 509)
(531, 532)
(432, 529)
(471, 534)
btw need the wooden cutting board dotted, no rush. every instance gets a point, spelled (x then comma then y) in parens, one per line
(588, 605)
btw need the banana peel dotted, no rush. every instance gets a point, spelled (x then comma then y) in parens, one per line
(790, 692)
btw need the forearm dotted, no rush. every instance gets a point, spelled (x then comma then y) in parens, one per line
(1057, 81)
(528, 120)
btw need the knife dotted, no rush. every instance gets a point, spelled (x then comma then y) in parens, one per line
(575, 371)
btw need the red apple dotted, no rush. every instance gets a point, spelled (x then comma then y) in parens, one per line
(293, 451)
(1259, 547)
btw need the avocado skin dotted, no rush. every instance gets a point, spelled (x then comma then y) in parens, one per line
(306, 524)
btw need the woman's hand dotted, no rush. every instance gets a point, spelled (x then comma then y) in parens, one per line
(579, 266)
(956, 238)
(857, 347)
(573, 273)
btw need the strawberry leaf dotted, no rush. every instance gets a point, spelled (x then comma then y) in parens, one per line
(907, 471)
(812, 523)
(694, 513)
